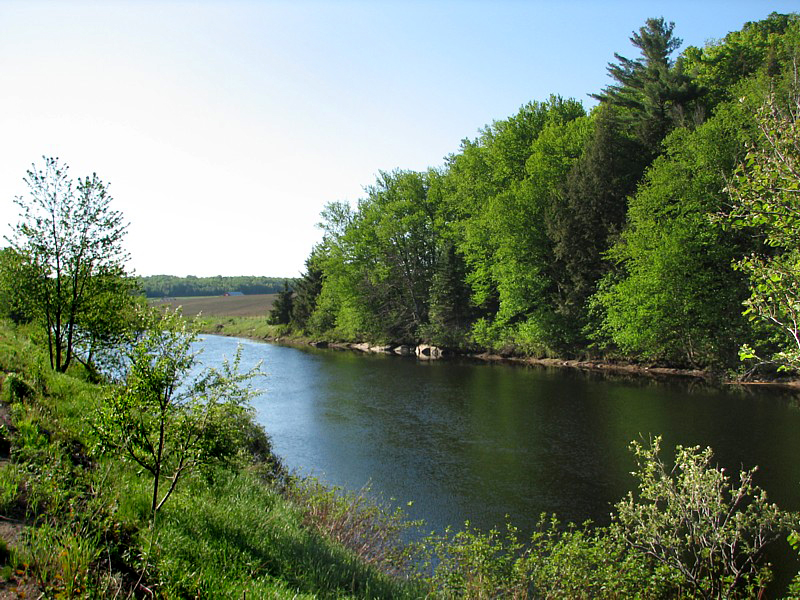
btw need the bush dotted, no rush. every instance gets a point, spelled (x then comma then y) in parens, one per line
(707, 532)
(690, 532)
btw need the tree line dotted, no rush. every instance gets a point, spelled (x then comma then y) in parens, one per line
(170, 286)
(621, 232)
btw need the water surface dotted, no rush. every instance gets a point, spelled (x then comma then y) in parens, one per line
(466, 440)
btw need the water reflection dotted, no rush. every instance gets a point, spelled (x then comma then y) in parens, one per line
(467, 441)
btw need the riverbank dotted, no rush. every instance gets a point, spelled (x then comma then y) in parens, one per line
(82, 525)
(256, 328)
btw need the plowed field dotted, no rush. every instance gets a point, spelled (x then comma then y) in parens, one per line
(255, 305)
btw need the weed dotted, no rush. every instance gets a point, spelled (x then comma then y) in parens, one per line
(57, 558)
(10, 480)
(373, 531)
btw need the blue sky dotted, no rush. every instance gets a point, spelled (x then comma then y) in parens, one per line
(224, 127)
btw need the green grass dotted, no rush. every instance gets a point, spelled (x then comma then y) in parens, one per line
(250, 327)
(226, 532)
(237, 536)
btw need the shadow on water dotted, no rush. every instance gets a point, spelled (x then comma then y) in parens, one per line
(481, 441)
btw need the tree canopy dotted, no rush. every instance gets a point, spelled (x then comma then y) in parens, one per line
(557, 232)
(67, 248)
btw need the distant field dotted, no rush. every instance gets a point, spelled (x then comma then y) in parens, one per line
(256, 305)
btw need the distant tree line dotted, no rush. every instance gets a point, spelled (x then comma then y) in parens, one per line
(560, 232)
(169, 286)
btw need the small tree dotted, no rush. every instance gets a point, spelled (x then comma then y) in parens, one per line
(704, 532)
(169, 417)
(67, 235)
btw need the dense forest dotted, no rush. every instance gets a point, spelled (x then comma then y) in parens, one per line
(170, 286)
(622, 232)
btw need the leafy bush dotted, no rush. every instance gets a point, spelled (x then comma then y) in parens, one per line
(692, 520)
(690, 532)
(166, 419)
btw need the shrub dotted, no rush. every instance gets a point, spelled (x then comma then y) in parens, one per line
(690, 532)
(708, 532)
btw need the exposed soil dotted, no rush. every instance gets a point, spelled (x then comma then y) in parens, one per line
(251, 305)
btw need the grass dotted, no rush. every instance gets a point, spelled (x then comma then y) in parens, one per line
(237, 537)
(228, 532)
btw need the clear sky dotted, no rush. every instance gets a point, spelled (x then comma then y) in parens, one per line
(223, 127)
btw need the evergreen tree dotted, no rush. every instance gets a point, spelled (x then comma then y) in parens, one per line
(654, 91)
(281, 313)
(307, 290)
(588, 216)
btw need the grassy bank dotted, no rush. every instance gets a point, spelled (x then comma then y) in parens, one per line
(256, 328)
(76, 523)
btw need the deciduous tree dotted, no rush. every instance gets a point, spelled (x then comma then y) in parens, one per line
(765, 195)
(67, 236)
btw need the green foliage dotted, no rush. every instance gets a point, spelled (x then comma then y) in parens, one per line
(20, 308)
(307, 290)
(500, 211)
(67, 240)
(655, 90)
(473, 564)
(764, 194)
(587, 217)
(708, 532)
(689, 532)
(760, 47)
(171, 286)
(281, 313)
(674, 296)
(557, 233)
(227, 530)
(450, 311)
(165, 417)
(378, 262)
(588, 562)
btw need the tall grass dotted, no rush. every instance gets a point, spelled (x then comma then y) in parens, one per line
(250, 327)
(237, 537)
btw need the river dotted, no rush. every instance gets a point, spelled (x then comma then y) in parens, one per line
(474, 441)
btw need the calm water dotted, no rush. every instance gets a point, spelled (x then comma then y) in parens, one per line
(478, 441)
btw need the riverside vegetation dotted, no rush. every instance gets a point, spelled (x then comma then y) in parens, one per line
(638, 230)
(81, 516)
